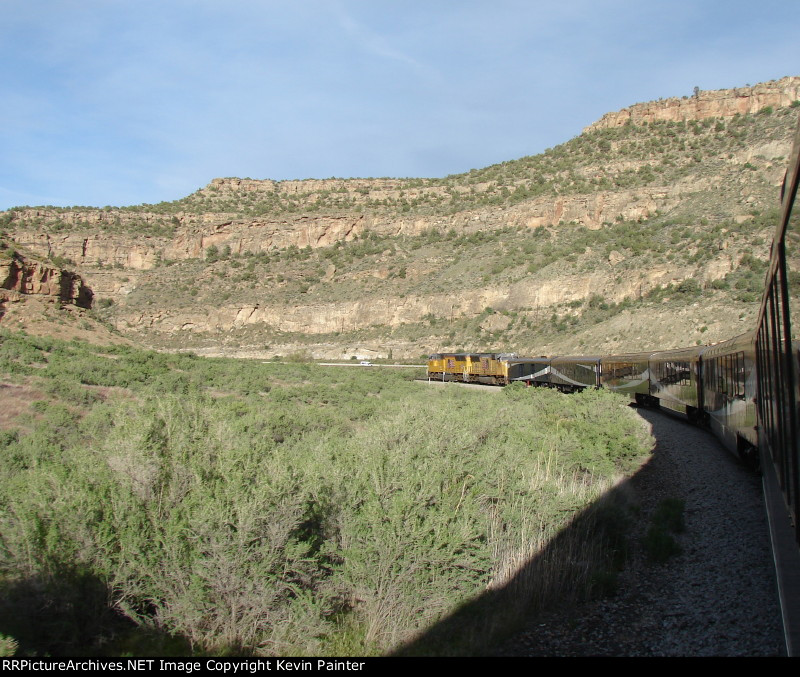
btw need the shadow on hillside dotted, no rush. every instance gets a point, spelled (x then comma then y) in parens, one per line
(543, 583)
(70, 613)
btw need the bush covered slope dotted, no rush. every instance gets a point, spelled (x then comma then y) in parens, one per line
(284, 508)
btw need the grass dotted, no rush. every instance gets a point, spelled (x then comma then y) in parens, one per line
(289, 509)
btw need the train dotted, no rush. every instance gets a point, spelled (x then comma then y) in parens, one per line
(745, 389)
(713, 385)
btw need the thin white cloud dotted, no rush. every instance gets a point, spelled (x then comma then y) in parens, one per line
(374, 43)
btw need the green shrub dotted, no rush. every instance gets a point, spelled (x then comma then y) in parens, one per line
(298, 509)
(8, 646)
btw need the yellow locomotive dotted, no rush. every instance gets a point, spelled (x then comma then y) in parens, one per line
(498, 369)
(486, 368)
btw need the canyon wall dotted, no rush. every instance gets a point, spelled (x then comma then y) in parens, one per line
(92, 248)
(119, 251)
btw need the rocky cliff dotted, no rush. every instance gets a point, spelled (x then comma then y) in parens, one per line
(26, 276)
(88, 247)
(45, 299)
(721, 103)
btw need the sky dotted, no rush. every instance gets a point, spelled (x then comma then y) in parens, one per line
(123, 102)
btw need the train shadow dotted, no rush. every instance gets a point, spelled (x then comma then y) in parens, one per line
(69, 612)
(615, 522)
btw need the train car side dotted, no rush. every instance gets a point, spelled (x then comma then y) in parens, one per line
(729, 393)
(528, 370)
(628, 374)
(675, 381)
(573, 373)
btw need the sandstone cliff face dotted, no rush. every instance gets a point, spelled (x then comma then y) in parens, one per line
(707, 104)
(90, 249)
(537, 293)
(305, 186)
(24, 276)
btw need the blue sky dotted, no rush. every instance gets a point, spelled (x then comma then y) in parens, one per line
(120, 102)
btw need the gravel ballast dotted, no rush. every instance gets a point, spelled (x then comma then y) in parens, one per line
(716, 598)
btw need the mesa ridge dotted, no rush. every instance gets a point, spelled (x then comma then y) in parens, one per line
(652, 197)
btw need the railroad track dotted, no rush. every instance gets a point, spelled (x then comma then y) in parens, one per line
(747, 389)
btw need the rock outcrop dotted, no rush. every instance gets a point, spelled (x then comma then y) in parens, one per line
(89, 248)
(30, 277)
(706, 104)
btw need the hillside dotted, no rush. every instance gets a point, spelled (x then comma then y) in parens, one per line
(651, 228)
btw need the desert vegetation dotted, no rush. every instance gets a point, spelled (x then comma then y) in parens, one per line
(169, 504)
